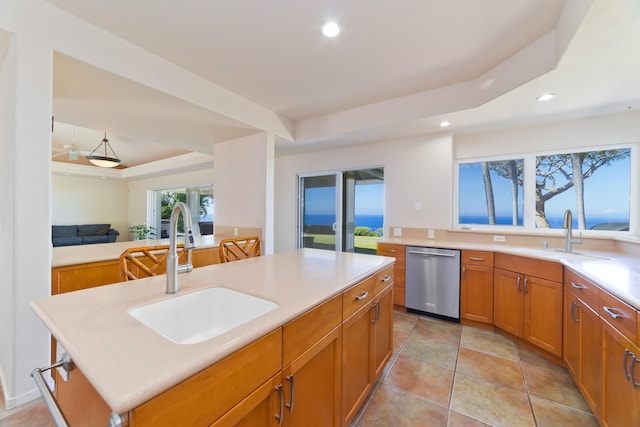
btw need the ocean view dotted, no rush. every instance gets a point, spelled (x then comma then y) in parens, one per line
(372, 221)
(554, 221)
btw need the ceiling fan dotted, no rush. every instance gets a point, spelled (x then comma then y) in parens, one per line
(71, 150)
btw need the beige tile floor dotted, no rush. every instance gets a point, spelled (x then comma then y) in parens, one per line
(446, 374)
(443, 374)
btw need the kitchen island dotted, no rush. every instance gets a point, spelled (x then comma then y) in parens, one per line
(129, 364)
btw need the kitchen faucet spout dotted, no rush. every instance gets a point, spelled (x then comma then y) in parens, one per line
(172, 259)
(567, 225)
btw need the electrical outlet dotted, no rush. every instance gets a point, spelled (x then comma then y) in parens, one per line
(417, 205)
(431, 234)
(498, 238)
(397, 231)
(235, 231)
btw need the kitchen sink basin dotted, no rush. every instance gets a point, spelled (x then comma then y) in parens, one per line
(201, 315)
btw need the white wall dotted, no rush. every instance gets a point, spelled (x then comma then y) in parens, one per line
(415, 169)
(86, 200)
(7, 308)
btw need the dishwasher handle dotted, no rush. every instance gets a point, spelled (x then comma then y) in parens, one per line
(432, 254)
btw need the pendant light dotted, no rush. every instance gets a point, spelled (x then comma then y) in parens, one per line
(105, 161)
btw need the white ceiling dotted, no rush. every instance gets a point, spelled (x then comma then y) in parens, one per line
(397, 68)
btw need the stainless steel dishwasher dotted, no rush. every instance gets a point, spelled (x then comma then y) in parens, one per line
(433, 282)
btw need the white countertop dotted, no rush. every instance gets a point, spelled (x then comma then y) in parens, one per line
(82, 254)
(129, 364)
(617, 273)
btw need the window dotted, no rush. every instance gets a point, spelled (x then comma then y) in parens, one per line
(595, 185)
(491, 192)
(200, 202)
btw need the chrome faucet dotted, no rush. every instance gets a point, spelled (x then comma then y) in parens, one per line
(567, 224)
(172, 259)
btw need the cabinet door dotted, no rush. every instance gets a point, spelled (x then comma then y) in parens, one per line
(311, 384)
(590, 378)
(508, 302)
(543, 314)
(582, 349)
(476, 293)
(382, 325)
(572, 334)
(620, 400)
(356, 359)
(262, 408)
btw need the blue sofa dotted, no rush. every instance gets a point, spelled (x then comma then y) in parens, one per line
(70, 235)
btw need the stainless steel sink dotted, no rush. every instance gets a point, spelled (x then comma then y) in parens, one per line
(201, 315)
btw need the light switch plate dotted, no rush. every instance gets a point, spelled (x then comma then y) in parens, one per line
(431, 234)
(397, 231)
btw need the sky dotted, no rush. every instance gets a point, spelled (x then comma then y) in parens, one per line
(606, 193)
(369, 200)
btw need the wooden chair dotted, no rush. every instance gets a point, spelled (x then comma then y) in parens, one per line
(149, 260)
(239, 248)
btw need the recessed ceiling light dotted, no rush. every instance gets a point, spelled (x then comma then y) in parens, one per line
(445, 123)
(545, 97)
(331, 29)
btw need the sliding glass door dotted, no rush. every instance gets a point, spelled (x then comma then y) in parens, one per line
(342, 210)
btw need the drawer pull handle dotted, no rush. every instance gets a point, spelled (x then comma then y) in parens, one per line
(611, 313)
(519, 283)
(362, 296)
(391, 251)
(475, 258)
(386, 278)
(281, 414)
(525, 285)
(291, 395)
(625, 365)
(578, 285)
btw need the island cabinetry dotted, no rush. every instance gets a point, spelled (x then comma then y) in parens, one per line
(476, 286)
(528, 300)
(312, 357)
(582, 337)
(621, 368)
(398, 252)
(306, 391)
(206, 396)
(366, 342)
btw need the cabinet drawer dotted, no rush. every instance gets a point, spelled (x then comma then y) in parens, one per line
(549, 270)
(477, 258)
(304, 331)
(382, 279)
(389, 249)
(357, 296)
(582, 288)
(619, 315)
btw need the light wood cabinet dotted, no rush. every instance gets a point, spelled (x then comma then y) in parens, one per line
(476, 286)
(620, 380)
(528, 300)
(75, 277)
(398, 252)
(367, 345)
(621, 363)
(582, 337)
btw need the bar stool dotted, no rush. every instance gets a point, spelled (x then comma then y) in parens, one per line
(149, 260)
(239, 248)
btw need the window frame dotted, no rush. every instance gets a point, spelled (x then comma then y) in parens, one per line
(529, 182)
